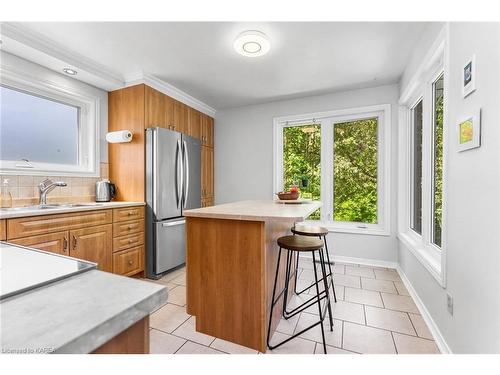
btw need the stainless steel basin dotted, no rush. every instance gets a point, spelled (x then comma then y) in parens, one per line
(51, 206)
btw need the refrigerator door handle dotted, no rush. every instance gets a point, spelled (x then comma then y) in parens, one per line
(186, 170)
(174, 223)
(179, 172)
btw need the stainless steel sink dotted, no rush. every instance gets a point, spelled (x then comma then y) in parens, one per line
(51, 206)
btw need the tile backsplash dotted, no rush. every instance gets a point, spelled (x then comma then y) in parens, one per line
(24, 189)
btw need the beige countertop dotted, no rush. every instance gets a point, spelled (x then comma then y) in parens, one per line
(61, 208)
(257, 211)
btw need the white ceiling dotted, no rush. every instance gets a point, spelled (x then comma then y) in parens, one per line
(198, 58)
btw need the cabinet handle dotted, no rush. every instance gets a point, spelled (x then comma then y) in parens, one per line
(130, 241)
(65, 244)
(75, 242)
(130, 262)
(130, 227)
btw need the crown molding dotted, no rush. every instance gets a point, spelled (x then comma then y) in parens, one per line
(32, 46)
(168, 89)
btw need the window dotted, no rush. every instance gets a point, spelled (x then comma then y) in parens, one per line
(46, 130)
(437, 164)
(302, 161)
(341, 158)
(416, 167)
(38, 129)
(355, 171)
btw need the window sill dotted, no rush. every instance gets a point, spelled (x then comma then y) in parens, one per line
(332, 228)
(423, 255)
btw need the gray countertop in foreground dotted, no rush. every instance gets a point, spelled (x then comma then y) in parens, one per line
(257, 211)
(76, 315)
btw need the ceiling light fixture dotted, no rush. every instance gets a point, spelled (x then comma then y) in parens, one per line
(252, 43)
(70, 71)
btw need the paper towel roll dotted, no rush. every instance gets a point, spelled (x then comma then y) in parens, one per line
(119, 136)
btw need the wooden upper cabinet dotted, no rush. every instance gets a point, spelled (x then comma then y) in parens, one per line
(159, 109)
(194, 123)
(207, 130)
(180, 117)
(52, 242)
(207, 172)
(94, 244)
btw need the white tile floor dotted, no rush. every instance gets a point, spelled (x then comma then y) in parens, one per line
(374, 314)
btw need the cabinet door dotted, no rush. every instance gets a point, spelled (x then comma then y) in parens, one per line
(207, 172)
(3, 230)
(94, 244)
(207, 130)
(53, 242)
(158, 109)
(194, 123)
(180, 117)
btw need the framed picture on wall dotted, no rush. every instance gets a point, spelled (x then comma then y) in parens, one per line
(469, 132)
(469, 77)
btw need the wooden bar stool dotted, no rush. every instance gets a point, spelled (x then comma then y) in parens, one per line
(314, 231)
(296, 245)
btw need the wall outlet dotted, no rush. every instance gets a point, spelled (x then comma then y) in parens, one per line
(449, 303)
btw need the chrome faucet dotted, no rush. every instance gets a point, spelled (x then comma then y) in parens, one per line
(46, 186)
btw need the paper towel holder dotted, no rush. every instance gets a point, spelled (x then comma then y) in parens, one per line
(121, 136)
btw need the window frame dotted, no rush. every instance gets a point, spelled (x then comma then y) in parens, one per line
(432, 257)
(415, 102)
(327, 120)
(88, 128)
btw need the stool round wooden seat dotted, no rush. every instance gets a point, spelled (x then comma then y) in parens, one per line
(300, 243)
(309, 230)
(293, 246)
(320, 233)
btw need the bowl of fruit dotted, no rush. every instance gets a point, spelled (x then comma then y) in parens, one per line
(291, 195)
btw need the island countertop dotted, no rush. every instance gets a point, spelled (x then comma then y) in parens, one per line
(77, 314)
(257, 210)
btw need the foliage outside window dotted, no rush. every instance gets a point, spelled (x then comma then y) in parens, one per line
(302, 161)
(437, 209)
(355, 153)
(416, 156)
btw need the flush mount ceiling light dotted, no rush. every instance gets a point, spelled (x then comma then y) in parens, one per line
(252, 44)
(70, 71)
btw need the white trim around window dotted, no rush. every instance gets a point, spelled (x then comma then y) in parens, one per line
(89, 125)
(429, 255)
(327, 120)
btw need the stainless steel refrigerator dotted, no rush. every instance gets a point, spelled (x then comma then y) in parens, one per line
(173, 184)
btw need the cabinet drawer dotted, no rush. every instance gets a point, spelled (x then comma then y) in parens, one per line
(122, 243)
(128, 213)
(3, 230)
(129, 262)
(128, 227)
(31, 226)
(52, 242)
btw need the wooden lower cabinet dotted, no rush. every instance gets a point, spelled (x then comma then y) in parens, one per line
(3, 230)
(129, 262)
(134, 340)
(52, 242)
(94, 244)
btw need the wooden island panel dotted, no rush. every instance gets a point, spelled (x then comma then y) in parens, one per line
(230, 273)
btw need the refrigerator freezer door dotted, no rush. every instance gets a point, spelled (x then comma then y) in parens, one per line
(192, 172)
(166, 174)
(170, 244)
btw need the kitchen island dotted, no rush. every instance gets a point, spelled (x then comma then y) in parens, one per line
(56, 304)
(231, 257)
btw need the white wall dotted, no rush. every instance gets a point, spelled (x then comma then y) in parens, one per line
(24, 66)
(244, 158)
(473, 202)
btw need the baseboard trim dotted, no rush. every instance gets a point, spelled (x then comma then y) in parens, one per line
(433, 328)
(436, 333)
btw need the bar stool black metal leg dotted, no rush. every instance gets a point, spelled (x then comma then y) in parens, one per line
(325, 283)
(330, 269)
(319, 302)
(273, 302)
(287, 279)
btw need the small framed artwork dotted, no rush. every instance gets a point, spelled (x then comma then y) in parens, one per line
(469, 77)
(469, 132)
